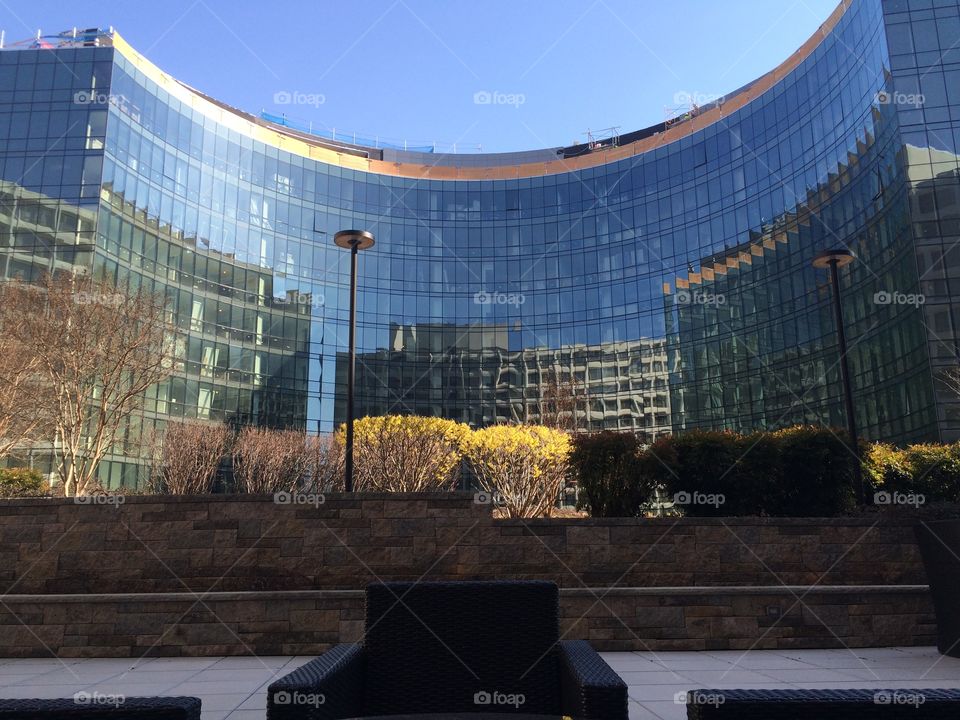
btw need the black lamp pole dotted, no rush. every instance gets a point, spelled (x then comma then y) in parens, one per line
(835, 259)
(354, 241)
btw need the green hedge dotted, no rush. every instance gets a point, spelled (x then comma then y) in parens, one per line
(927, 470)
(607, 465)
(21, 482)
(802, 471)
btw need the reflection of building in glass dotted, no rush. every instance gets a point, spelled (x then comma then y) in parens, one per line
(744, 364)
(552, 260)
(433, 370)
(935, 211)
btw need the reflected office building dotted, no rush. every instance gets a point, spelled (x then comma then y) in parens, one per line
(663, 277)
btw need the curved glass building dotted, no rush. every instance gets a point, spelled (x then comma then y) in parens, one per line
(658, 281)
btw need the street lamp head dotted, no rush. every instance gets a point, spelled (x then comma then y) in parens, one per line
(838, 256)
(350, 239)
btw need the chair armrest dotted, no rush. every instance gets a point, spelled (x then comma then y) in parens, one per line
(329, 687)
(589, 688)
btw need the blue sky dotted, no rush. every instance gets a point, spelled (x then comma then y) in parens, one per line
(501, 74)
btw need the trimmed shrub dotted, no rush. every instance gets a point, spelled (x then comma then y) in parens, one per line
(523, 466)
(406, 453)
(802, 471)
(935, 471)
(886, 467)
(21, 482)
(269, 461)
(928, 469)
(758, 475)
(185, 458)
(698, 470)
(818, 473)
(607, 469)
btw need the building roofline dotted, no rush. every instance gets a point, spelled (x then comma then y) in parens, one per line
(467, 167)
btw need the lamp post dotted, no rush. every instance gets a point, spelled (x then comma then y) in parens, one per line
(834, 259)
(354, 241)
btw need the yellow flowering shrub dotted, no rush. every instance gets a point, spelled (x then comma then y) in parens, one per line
(524, 466)
(886, 466)
(406, 453)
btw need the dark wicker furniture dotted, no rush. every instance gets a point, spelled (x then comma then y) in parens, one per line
(939, 542)
(455, 647)
(919, 704)
(132, 708)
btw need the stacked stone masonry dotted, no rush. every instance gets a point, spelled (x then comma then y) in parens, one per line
(243, 575)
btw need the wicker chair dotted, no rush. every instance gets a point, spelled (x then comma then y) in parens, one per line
(455, 647)
(817, 704)
(132, 708)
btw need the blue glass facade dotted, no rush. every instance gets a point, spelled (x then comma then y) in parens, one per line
(673, 285)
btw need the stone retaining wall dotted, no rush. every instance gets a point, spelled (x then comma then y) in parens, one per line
(238, 575)
(309, 622)
(172, 544)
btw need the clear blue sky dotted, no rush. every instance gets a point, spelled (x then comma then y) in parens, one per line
(412, 68)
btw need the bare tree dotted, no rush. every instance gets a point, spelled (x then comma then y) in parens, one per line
(950, 378)
(99, 347)
(326, 462)
(561, 400)
(24, 397)
(266, 461)
(186, 458)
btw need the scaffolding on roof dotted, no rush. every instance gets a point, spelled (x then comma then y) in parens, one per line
(88, 37)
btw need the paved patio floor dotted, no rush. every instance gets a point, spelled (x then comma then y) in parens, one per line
(234, 688)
